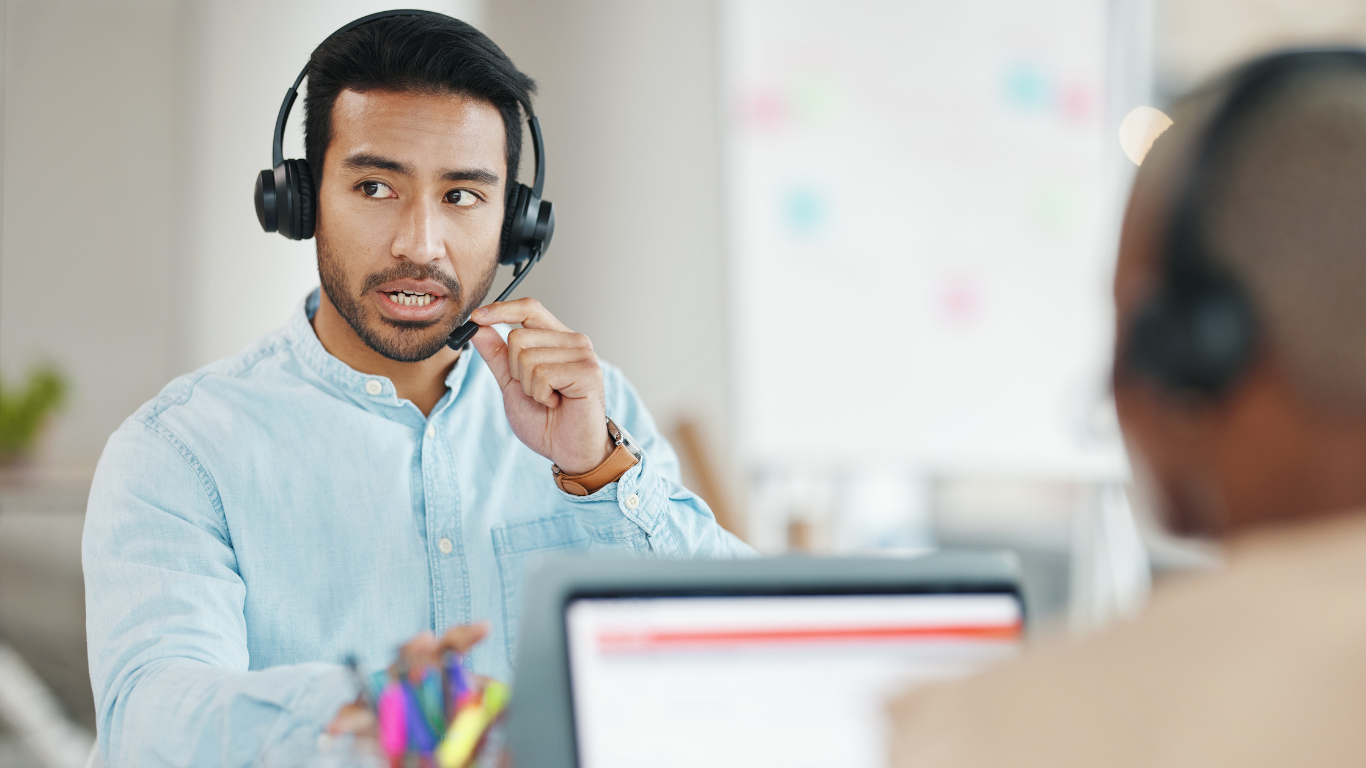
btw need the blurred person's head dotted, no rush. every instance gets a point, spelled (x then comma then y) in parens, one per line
(1279, 202)
(413, 136)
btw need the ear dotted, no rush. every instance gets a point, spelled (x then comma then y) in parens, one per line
(1173, 439)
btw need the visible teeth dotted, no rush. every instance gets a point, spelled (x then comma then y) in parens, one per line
(410, 299)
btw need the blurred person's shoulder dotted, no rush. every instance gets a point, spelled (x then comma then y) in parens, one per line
(1257, 664)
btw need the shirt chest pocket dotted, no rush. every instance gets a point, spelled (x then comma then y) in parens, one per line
(515, 546)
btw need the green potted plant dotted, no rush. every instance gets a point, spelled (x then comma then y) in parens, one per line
(25, 410)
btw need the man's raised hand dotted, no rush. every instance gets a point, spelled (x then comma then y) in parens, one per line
(551, 382)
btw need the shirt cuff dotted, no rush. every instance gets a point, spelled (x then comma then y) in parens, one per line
(310, 712)
(636, 502)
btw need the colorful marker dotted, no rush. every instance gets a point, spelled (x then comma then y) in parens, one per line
(392, 714)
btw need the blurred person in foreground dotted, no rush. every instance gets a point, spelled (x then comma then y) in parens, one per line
(1263, 662)
(350, 482)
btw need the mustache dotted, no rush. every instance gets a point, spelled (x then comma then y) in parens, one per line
(406, 270)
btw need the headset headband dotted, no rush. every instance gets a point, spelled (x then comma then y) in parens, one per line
(277, 147)
(277, 151)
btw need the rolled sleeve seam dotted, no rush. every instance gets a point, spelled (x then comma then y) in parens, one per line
(206, 480)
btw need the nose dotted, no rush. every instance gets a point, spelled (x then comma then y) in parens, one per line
(419, 237)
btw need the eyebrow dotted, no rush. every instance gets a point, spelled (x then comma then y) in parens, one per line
(367, 162)
(480, 175)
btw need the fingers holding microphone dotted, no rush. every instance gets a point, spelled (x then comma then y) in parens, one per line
(551, 380)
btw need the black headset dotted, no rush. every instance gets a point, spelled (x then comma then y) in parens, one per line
(287, 198)
(1198, 333)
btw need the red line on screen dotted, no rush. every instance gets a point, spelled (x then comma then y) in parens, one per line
(618, 641)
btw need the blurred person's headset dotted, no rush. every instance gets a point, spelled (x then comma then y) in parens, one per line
(1198, 333)
(287, 198)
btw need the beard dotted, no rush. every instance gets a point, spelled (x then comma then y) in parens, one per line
(399, 340)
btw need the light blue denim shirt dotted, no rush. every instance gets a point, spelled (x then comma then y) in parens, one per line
(271, 514)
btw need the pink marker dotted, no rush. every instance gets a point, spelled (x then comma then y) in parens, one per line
(392, 712)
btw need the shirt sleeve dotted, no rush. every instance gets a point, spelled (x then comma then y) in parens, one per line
(165, 625)
(648, 509)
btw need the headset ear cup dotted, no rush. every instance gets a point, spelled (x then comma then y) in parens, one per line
(514, 215)
(265, 200)
(1201, 345)
(1150, 352)
(1223, 333)
(306, 199)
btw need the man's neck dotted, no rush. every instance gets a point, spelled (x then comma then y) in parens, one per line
(423, 383)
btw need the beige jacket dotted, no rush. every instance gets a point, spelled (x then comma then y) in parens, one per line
(1260, 664)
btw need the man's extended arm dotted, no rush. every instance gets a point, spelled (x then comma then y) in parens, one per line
(165, 625)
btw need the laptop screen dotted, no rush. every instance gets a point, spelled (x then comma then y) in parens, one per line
(759, 681)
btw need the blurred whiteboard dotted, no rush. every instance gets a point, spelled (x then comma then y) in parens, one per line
(923, 209)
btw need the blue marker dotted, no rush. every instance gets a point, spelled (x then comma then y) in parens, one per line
(419, 733)
(459, 681)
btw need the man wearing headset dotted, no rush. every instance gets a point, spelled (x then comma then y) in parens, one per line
(1241, 386)
(352, 479)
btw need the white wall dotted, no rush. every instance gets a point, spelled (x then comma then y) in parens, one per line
(88, 278)
(1199, 38)
(629, 106)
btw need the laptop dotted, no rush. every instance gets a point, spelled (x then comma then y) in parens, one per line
(755, 663)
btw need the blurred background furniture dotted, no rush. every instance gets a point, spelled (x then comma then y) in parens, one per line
(47, 715)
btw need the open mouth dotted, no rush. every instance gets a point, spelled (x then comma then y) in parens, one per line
(411, 298)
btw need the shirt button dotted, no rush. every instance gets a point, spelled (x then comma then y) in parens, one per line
(444, 545)
(431, 431)
(373, 387)
(632, 501)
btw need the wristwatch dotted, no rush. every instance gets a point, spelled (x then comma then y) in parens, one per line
(626, 455)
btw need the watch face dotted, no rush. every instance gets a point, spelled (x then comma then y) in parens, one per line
(628, 441)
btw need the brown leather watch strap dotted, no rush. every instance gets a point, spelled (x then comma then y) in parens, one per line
(609, 471)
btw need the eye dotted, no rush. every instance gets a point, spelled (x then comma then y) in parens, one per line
(461, 197)
(377, 189)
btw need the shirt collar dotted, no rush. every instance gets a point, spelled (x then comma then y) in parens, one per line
(371, 392)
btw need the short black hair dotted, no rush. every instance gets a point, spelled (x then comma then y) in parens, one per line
(427, 53)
